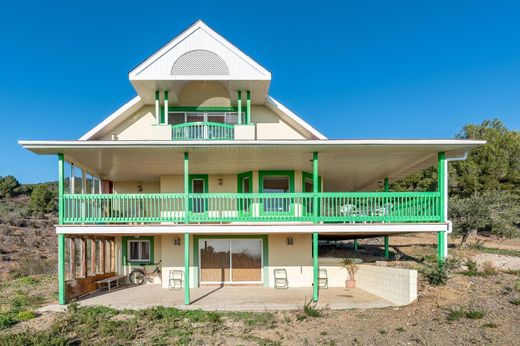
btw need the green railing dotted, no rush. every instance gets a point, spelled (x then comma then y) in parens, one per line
(203, 131)
(333, 207)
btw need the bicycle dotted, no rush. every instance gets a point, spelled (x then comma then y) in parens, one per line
(138, 275)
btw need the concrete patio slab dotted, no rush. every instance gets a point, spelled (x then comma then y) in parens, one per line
(241, 298)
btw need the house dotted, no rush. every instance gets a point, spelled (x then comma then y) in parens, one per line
(208, 174)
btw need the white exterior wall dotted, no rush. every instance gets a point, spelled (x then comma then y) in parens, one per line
(397, 285)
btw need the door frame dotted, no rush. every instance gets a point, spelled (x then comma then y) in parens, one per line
(203, 177)
(265, 256)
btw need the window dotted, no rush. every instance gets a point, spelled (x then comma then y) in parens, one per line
(276, 183)
(138, 250)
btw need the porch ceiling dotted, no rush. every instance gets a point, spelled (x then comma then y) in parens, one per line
(345, 165)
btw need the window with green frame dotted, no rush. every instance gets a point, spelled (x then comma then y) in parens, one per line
(137, 250)
(307, 182)
(276, 182)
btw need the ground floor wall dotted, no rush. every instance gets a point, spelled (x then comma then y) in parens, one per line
(291, 252)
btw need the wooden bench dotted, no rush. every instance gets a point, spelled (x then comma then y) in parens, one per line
(108, 281)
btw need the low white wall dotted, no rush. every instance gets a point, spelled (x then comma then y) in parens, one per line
(397, 285)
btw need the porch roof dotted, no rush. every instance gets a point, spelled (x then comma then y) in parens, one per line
(346, 165)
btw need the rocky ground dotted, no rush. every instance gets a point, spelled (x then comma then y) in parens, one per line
(472, 308)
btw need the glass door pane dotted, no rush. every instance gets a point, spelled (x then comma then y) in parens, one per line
(275, 184)
(215, 264)
(198, 202)
(246, 260)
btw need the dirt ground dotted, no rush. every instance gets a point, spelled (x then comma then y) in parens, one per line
(488, 309)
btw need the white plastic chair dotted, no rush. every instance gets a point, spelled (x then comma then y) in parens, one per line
(176, 279)
(280, 278)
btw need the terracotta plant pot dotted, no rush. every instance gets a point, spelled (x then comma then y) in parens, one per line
(350, 283)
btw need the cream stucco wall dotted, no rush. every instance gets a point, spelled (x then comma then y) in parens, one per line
(296, 259)
(270, 126)
(141, 126)
(133, 187)
(205, 94)
(127, 269)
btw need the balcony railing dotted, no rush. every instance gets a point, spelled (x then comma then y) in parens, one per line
(203, 131)
(333, 207)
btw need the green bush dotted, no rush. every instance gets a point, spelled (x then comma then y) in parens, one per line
(311, 309)
(436, 275)
(7, 319)
(475, 314)
(25, 315)
(456, 314)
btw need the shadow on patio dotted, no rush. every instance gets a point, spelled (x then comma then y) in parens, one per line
(242, 298)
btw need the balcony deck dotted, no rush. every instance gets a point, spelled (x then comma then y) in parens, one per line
(331, 207)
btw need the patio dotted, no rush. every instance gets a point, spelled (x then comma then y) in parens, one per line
(242, 298)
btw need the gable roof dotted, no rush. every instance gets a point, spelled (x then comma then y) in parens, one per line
(199, 37)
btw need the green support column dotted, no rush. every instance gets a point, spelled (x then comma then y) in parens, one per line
(315, 187)
(157, 107)
(186, 188)
(166, 106)
(239, 105)
(315, 266)
(386, 189)
(61, 237)
(355, 245)
(248, 107)
(186, 268)
(315, 190)
(441, 188)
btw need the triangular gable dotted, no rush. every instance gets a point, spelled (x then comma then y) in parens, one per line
(211, 57)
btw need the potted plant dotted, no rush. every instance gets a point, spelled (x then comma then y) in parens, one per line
(351, 267)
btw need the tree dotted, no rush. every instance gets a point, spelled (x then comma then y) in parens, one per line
(43, 199)
(8, 186)
(494, 166)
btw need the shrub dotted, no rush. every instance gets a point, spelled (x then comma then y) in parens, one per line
(487, 269)
(7, 319)
(515, 301)
(472, 267)
(436, 275)
(25, 315)
(517, 285)
(475, 314)
(311, 309)
(456, 314)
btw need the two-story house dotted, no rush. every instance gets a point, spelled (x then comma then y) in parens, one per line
(206, 172)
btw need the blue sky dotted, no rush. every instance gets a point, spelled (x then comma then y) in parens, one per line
(353, 69)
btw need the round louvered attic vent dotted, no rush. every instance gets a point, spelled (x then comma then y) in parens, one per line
(200, 62)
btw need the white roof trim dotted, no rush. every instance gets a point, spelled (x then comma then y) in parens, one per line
(115, 118)
(199, 24)
(292, 118)
(258, 228)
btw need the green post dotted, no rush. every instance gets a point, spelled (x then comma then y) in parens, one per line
(441, 188)
(315, 187)
(239, 105)
(186, 188)
(157, 107)
(355, 245)
(61, 237)
(386, 189)
(248, 107)
(186, 268)
(387, 252)
(315, 266)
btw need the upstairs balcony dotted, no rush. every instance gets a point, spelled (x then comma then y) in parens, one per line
(331, 207)
(196, 126)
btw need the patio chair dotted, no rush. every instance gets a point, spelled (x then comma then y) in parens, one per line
(280, 278)
(323, 279)
(176, 279)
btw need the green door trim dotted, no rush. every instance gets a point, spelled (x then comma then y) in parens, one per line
(241, 176)
(203, 177)
(307, 175)
(265, 253)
